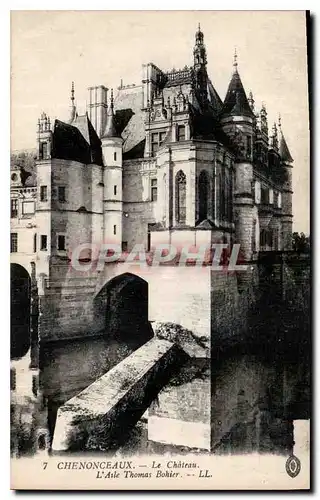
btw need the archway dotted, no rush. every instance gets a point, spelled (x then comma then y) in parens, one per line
(20, 310)
(122, 306)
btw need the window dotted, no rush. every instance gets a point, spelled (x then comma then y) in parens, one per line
(271, 196)
(264, 196)
(266, 239)
(154, 190)
(43, 193)
(157, 139)
(115, 156)
(43, 242)
(124, 246)
(61, 194)
(203, 196)
(34, 243)
(181, 133)
(114, 229)
(180, 187)
(28, 207)
(115, 190)
(14, 208)
(61, 242)
(43, 151)
(14, 242)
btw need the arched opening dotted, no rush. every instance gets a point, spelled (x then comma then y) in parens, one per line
(181, 189)
(203, 195)
(266, 239)
(20, 311)
(122, 308)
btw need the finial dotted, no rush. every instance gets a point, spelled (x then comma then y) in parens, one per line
(72, 93)
(111, 100)
(199, 29)
(235, 60)
(251, 101)
(279, 121)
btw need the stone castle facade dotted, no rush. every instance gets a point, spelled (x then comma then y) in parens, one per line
(166, 160)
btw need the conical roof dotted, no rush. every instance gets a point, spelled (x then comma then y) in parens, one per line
(110, 130)
(236, 102)
(284, 150)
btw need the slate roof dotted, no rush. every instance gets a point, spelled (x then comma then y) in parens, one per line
(214, 98)
(110, 129)
(236, 102)
(284, 150)
(77, 141)
(130, 118)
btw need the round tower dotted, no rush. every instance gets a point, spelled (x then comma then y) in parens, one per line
(237, 121)
(112, 179)
(287, 217)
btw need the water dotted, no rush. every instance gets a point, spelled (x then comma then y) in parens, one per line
(243, 385)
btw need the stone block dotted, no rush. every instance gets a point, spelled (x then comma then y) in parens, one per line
(102, 415)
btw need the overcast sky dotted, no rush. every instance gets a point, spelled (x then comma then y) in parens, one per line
(51, 48)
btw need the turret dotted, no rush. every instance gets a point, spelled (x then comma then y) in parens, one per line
(237, 119)
(286, 163)
(44, 138)
(112, 179)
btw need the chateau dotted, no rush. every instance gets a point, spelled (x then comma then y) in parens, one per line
(163, 162)
(166, 161)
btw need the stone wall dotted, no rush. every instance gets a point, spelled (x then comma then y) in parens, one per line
(179, 295)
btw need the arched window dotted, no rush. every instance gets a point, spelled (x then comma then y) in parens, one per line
(181, 185)
(266, 239)
(203, 195)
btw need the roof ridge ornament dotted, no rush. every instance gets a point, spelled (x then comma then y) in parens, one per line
(235, 60)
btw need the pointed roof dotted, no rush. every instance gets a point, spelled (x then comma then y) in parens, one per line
(110, 130)
(236, 102)
(77, 141)
(214, 98)
(284, 150)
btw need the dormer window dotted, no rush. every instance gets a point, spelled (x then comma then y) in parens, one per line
(157, 139)
(43, 153)
(181, 136)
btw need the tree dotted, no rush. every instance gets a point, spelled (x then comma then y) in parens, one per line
(300, 242)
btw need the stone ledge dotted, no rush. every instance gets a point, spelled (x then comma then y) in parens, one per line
(107, 409)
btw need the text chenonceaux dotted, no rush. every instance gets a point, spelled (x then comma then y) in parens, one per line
(120, 465)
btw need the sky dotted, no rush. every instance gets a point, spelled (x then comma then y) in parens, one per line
(50, 49)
